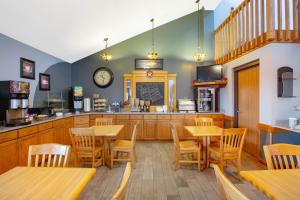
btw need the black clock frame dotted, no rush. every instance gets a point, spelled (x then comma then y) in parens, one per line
(111, 74)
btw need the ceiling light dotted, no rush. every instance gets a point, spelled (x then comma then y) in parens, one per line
(106, 56)
(153, 55)
(198, 56)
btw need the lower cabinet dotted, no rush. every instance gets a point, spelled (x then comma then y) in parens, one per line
(150, 129)
(125, 133)
(163, 130)
(8, 155)
(46, 136)
(179, 127)
(69, 123)
(140, 128)
(24, 143)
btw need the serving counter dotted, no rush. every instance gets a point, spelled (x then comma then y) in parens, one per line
(14, 141)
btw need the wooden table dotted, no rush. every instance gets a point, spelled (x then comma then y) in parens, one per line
(276, 184)
(44, 183)
(107, 132)
(206, 132)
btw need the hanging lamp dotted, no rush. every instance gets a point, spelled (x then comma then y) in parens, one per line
(106, 56)
(153, 55)
(198, 56)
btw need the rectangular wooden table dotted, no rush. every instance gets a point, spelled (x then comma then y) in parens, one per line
(276, 184)
(206, 132)
(107, 132)
(44, 182)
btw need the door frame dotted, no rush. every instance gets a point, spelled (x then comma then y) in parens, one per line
(248, 65)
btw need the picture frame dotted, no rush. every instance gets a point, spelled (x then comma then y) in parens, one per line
(147, 64)
(44, 82)
(27, 68)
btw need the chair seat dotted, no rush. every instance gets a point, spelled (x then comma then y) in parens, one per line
(122, 145)
(185, 146)
(187, 143)
(215, 149)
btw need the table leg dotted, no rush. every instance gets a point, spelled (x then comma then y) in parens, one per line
(204, 161)
(207, 153)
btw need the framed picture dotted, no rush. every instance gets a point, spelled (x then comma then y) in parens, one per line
(27, 68)
(156, 64)
(44, 82)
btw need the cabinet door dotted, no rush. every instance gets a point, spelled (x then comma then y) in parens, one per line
(186, 134)
(24, 144)
(179, 126)
(219, 123)
(139, 133)
(150, 129)
(125, 133)
(59, 134)
(46, 136)
(69, 123)
(163, 130)
(8, 155)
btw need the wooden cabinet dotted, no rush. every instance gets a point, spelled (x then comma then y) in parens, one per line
(82, 121)
(46, 136)
(8, 155)
(150, 129)
(125, 133)
(58, 131)
(163, 130)
(140, 128)
(69, 123)
(24, 143)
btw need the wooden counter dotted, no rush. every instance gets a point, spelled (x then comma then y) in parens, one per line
(14, 142)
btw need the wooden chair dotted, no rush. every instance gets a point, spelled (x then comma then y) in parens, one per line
(125, 146)
(229, 149)
(282, 156)
(85, 150)
(48, 155)
(103, 121)
(185, 148)
(121, 193)
(228, 191)
(204, 121)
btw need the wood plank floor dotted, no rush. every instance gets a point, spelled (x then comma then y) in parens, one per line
(154, 178)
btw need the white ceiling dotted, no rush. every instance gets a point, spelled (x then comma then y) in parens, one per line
(73, 29)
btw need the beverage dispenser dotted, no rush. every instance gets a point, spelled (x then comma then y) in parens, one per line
(14, 102)
(76, 98)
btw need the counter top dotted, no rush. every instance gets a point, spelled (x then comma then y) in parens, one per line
(284, 124)
(5, 129)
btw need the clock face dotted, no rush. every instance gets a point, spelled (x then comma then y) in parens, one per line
(103, 77)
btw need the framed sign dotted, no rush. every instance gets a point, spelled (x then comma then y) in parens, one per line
(27, 68)
(44, 82)
(143, 64)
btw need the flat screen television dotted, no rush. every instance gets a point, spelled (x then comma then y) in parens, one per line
(209, 73)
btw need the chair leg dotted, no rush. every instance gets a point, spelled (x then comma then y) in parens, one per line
(208, 159)
(134, 153)
(238, 165)
(177, 157)
(222, 165)
(199, 160)
(132, 158)
(112, 159)
(103, 156)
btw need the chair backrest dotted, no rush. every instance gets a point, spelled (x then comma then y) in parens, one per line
(121, 193)
(83, 139)
(103, 121)
(134, 133)
(282, 156)
(232, 140)
(227, 189)
(204, 121)
(48, 155)
(174, 134)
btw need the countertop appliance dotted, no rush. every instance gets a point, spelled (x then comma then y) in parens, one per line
(76, 98)
(186, 106)
(14, 102)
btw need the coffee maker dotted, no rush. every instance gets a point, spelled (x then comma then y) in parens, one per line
(14, 102)
(76, 98)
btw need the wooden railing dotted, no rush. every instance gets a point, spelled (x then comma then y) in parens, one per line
(254, 24)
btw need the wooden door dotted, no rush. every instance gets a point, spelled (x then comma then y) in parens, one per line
(163, 130)
(247, 107)
(8, 155)
(24, 144)
(150, 129)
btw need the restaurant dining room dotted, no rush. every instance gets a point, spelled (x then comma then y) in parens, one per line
(150, 100)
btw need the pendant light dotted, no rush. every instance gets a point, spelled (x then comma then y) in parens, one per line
(106, 56)
(153, 55)
(198, 56)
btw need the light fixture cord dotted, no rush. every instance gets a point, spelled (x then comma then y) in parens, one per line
(152, 20)
(198, 19)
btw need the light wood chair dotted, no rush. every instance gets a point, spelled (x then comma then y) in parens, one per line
(282, 156)
(185, 151)
(103, 121)
(125, 146)
(48, 155)
(229, 149)
(121, 193)
(228, 191)
(85, 150)
(204, 121)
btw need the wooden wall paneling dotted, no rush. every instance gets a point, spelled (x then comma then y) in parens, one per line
(8, 155)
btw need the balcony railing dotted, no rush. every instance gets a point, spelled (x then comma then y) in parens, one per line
(254, 24)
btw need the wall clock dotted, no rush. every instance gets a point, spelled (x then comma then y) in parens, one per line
(103, 77)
